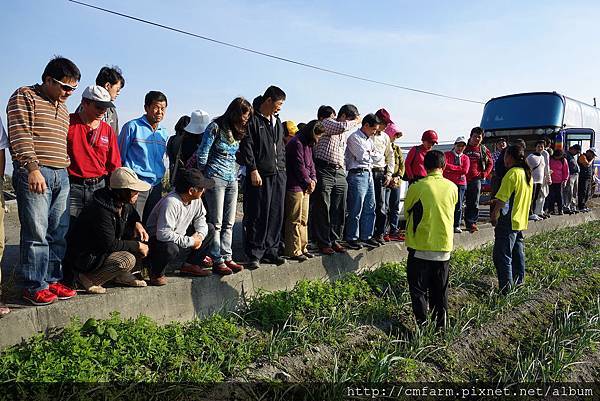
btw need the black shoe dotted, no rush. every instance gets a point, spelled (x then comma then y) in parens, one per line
(277, 260)
(299, 258)
(353, 245)
(309, 255)
(379, 239)
(372, 243)
(253, 264)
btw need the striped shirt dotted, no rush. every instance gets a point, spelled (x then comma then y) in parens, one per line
(332, 145)
(37, 129)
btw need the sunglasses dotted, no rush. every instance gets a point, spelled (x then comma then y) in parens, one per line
(64, 86)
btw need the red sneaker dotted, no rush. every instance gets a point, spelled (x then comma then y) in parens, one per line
(62, 291)
(386, 238)
(194, 270)
(222, 269)
(397, 237)
(473, 228)
(235, 267)
(39, 298)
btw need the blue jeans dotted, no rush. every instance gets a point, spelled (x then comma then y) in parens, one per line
(81, 195)
(472, 202)
(394, 213)
(221, 201)
(360, 218)
(459, 205)
(44, 222)
(508, 254)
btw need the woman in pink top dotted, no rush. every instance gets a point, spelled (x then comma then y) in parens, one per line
(457, 166)
(415, 170)
(560, 175)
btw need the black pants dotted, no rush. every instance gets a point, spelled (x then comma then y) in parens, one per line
(382, 200)
(555, 197)
(583, 191)
(163, 254)
(263, 216)
(328, 205)
(428, 287)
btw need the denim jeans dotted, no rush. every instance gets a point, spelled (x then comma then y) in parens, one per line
(44, 222)
(382, 200)
(508, 254)
(394, 210)
(80, 195)
(472, 202)
(459, 205)
(221, 201)
(360, 219)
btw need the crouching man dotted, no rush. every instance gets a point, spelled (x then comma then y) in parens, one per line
(171, 237)
(429, 210)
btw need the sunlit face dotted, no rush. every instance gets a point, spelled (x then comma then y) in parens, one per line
(195, 193)
(92, 111)
(460, 147)
(245, 118)
(155, 112)
(539, 147)
(428, 144)
(60, 90)
(113, 90)
(134, 197)
(369, 130)
(501, 145)
(476, 139)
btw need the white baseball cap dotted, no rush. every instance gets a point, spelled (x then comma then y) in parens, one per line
(98, 95)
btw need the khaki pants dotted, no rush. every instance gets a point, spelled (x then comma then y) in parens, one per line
(296, 219)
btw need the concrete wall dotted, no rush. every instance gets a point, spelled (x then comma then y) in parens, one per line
(186, 298)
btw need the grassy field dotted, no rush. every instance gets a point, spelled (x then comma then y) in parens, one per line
(357, 329)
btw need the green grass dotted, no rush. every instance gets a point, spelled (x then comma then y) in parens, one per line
(324, 314)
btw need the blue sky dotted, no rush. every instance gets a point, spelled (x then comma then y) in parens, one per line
(470, 49)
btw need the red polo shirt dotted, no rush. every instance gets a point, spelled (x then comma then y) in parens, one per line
(93, 153)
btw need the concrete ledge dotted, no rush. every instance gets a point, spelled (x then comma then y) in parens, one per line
(186, 298)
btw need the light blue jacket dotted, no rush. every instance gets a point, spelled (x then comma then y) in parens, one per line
(216, 153)
(143, 149)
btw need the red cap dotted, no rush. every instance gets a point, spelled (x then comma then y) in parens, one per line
(384, 116)
(430, 135)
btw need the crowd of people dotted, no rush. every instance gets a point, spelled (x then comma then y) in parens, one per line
(92, 207)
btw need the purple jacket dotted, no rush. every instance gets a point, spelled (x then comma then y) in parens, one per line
(299, 164)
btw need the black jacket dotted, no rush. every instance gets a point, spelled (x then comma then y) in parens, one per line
(262, 148)
(99, 231)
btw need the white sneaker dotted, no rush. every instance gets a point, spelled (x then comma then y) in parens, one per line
(534, 217)
(457, 230)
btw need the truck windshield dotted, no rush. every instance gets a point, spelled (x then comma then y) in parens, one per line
(537, 110)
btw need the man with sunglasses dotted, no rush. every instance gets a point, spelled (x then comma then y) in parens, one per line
(38, 122)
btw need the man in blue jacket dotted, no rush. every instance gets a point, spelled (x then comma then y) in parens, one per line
(142, 144)
(263, 153)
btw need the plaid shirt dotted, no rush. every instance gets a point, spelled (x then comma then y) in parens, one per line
(332, 145)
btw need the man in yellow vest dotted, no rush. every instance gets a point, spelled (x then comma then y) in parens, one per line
(429, 210)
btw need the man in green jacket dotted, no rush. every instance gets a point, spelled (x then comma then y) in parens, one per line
(429, 210)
